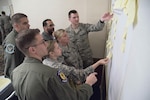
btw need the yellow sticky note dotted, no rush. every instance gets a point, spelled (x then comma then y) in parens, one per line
(108, 44)
(131, 4)
(110, 22)
(118, 4)
(124, 35)
(114, 36)
(124, 3)
(123, 47)
(109, 56)
(111, 46)
(125, 11)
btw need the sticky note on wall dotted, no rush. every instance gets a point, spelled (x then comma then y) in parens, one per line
(109, 55)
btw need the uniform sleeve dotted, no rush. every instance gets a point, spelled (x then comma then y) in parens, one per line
(95, 27)
(1, 22)
(12, 58)
(61, 90)
(9, 57)
(76, 74)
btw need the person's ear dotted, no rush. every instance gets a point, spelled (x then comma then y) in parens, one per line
(58, 39)
(69, 18)
(44, 27)
(51, 53)
(32, 50)
(15, 25)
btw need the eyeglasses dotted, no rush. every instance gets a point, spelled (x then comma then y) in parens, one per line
(42, 42)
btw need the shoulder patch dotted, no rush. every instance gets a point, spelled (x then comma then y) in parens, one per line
(62, 76)
(10, 48)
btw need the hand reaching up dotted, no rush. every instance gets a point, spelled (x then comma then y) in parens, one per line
(100, 62)
(107, 16)
(104, 61)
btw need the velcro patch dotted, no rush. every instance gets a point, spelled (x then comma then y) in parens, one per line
(62, 76)
(10, 48)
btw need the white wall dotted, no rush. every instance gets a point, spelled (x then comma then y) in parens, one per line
(5, 5)
(97, 39)
(128, 72)
(137, 80)
(57, 10)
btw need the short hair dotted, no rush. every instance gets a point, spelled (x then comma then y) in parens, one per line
(25, 39)
(45, 22)
(3, 12)
(16, 17)
(59, 33)
(72, 11)
(51, 47)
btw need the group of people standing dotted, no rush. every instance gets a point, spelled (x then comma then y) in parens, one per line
(55, 65)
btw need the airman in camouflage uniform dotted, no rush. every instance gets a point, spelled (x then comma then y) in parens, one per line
(78, 34)
(77, 75)
(80, 39)
(70, 54)
(6, 24)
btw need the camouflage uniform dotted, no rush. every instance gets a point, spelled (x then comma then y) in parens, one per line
(34, 81)
(71, 56)
(75, 74)
(12, 56)
(6, 24)
(80, 39)
(1, 30)
(47, 37)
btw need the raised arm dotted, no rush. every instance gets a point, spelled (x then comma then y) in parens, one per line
(100, 62)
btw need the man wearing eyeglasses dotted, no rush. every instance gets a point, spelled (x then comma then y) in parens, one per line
(48, 27)
(12, 56)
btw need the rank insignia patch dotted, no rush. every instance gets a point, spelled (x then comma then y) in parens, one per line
(10, 48)
(62, 76)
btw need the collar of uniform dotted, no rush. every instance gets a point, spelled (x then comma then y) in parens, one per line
(32, 60)
(15, 32)
(52, 60)
(79, 27)
(47, 36)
